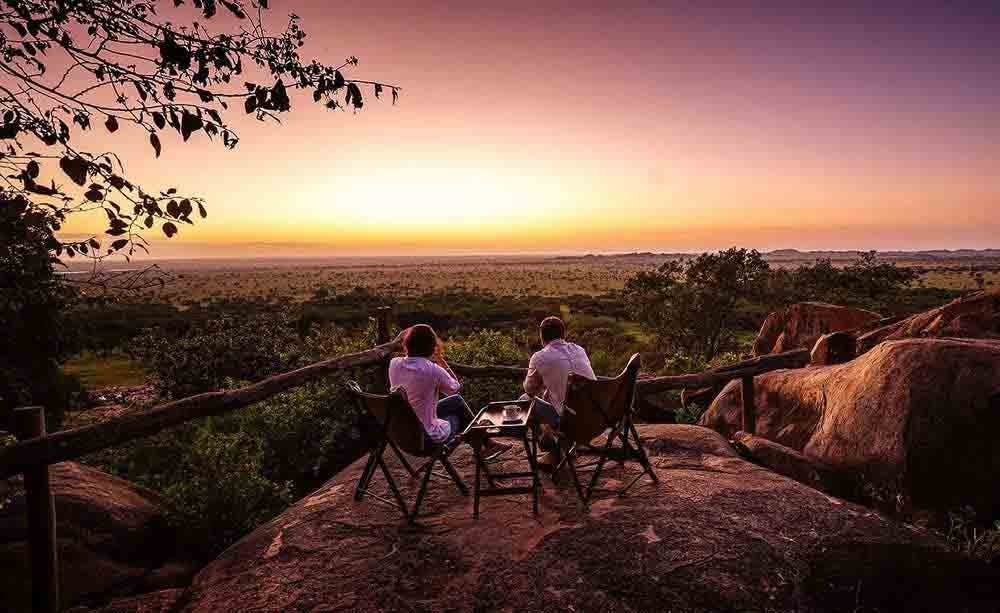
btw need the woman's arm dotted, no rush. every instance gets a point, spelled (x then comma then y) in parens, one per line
(454, 384)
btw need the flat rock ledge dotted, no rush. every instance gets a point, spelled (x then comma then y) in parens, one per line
(717, 533)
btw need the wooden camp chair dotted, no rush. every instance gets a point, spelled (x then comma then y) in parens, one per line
(593, 408)
(400, 430)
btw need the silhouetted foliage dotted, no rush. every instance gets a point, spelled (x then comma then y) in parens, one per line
(69, 66)
(32, 307)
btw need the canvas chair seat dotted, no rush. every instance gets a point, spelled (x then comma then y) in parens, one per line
(400, 430)
(593, 408)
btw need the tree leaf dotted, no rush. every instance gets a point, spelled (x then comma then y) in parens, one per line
(190, 123)
(118, 244)
(155, 141)
(75, 168)
(159, 120)
(202, 211)
(111, 124)
(250, 104)
(169, 229)
(354, 95)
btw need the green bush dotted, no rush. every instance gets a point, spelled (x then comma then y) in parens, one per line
(234, 346)
(225, 475)
(487, 348)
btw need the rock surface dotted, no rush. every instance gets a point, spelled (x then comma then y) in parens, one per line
(788, 462)
(113, 539)
(974, 316)
(717, 533)
(798, 326)
(911, 422)
(833, 348)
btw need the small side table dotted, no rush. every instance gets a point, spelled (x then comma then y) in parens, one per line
(489, 424)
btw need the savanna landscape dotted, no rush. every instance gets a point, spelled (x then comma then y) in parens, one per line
(793, 335)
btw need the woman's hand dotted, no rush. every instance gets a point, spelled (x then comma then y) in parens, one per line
(438, 356)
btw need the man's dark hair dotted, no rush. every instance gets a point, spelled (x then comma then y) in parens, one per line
(552, 328)
(420, 341)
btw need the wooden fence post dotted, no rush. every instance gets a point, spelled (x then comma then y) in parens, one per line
(383, 319)
(749, 408)
(383, 316)
(29, 422)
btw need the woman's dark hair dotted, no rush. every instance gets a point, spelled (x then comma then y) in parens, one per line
(420, 341)
(551, 328)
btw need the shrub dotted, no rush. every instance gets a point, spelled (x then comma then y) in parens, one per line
(225, 475)
(233, 346)
(487, 348)
(972, 537)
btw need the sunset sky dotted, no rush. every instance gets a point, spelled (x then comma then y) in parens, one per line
(576, 127)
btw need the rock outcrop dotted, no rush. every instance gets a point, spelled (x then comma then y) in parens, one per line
(976, 315)
(911, 422)
(113, 539)
(833, 348)
(788, 462)
(798, 326)
(717, 533)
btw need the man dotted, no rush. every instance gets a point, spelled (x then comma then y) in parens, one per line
(548, 373)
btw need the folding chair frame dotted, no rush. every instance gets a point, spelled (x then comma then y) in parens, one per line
(631, 449)
(438, 453)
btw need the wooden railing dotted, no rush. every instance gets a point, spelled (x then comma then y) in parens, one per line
(36, 449)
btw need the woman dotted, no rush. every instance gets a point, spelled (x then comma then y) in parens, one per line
(423, 376)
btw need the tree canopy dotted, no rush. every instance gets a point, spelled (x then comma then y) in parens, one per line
(689, 303)
(68, 66)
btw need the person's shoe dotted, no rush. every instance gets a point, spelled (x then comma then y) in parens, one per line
(493, 449)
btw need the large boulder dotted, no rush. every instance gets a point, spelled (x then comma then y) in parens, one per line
(113, 539)
(716, 533)
(911, 422)
(976, 315)
(798, 326)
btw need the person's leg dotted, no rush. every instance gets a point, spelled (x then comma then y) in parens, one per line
(456, 411)
(544, 412)
(545, 422)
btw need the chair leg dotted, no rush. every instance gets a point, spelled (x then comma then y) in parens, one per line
(600, 462)
(563, 459)
(392, 486)
(423, 490)
(454, 475)
(366, 474)
(402, 459)
(576, 477)
(643, 458)
(475, 496)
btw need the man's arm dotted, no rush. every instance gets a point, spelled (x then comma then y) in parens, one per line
(534, 385)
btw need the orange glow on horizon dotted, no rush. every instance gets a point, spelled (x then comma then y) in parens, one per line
(639, 128)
